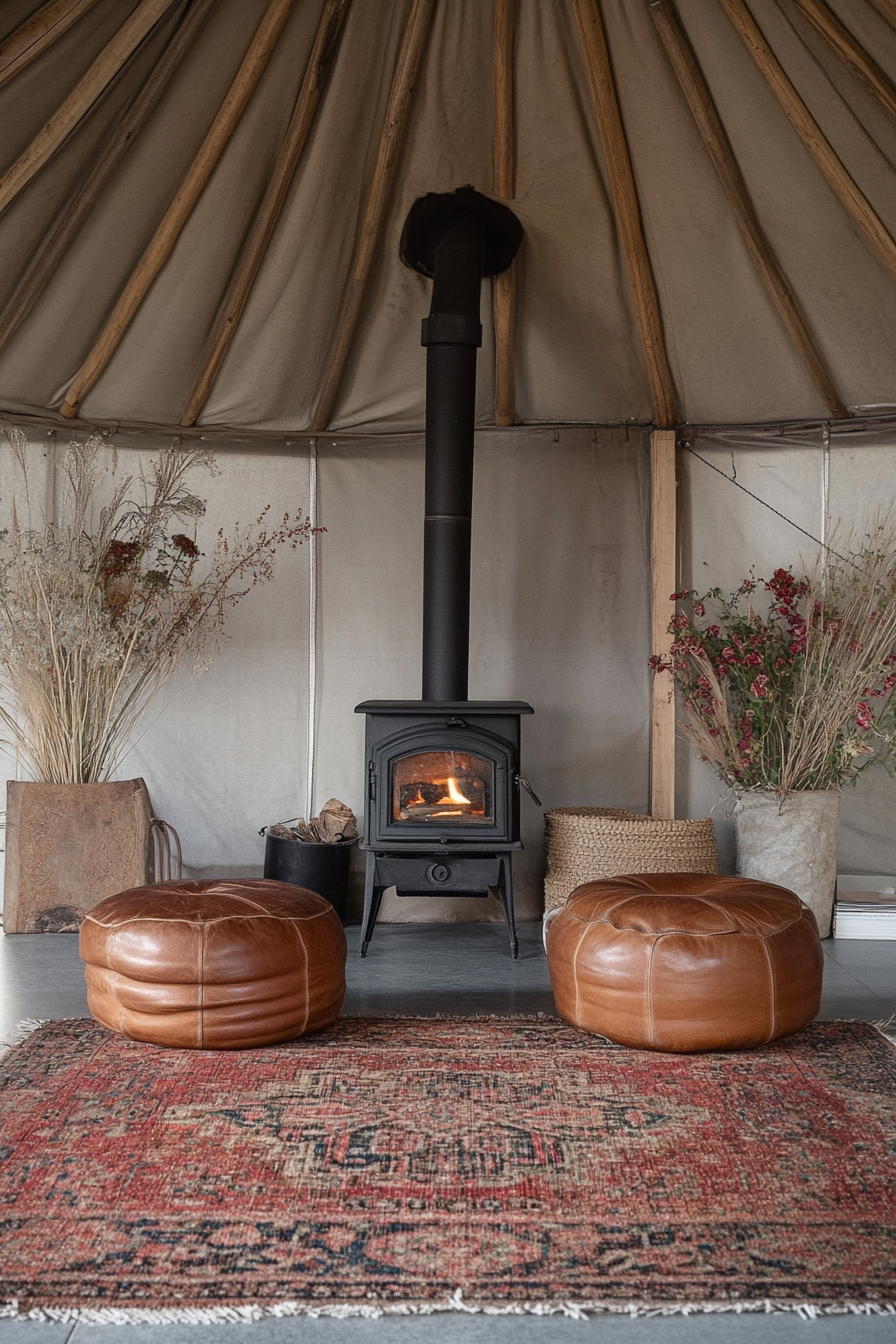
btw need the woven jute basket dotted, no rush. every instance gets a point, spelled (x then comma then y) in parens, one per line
(588, 843)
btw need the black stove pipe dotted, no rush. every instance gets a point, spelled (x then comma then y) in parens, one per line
(456, 238)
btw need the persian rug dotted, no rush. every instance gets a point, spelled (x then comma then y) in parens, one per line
(426, 1164)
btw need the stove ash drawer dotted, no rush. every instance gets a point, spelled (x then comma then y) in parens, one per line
(439, 875)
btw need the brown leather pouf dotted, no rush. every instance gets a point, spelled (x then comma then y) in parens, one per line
(214, 965)
(685, 961)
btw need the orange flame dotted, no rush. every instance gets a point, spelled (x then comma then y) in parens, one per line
(455, 794)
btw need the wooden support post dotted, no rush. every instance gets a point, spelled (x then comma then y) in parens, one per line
(663, 584)
(683, 61)
(81, 99)
(627, 210)
(316, 72)
(844, 188)
(851, 52)
(504, 285)
(37, 33)
(125, 134)
(403, 82)
(178, 212)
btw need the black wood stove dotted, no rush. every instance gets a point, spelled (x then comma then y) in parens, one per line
(442, 816)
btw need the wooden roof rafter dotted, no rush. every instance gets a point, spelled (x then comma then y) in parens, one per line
(320, 63)
(37, 33)
(125, 134)
(180, 209)
(886, 9)
(851, 52)
(835, 173)
(404, 80)
(504, 153)
(700, 100)
(89, 88)
(627, 210)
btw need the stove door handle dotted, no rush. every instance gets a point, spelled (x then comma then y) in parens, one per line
(524, 784)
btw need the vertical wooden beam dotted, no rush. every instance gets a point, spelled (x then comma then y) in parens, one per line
(178, 212)
(504, 285)
(663, 584)
(687, 69)
(125, 134)
(627, 210)
(851, 52)
(37, 33)
(403, 82)
(81, 99)
(844, 188)
(316, 72)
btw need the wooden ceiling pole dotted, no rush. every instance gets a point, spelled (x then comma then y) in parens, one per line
(627, 210)
(886, 9)
(842, 42)
(403, 81)
(178, 212)
(684, 62)
(316, 73)
(663, 583)
(851, 198)
(125, 134)
(504, 285)
(81, 99)
(37, 33)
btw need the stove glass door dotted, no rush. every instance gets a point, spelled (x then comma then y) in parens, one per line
(446, 787)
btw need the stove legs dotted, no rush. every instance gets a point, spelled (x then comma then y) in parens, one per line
(505, 890)
(418, 876)
(373, 896)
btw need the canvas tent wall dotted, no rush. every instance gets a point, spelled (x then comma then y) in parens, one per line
(325, 355)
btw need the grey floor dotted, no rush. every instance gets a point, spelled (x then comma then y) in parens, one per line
(430, 969)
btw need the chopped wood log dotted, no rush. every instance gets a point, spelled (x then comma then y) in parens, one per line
(320, 63)
(403, 82)
(181, 207)
(693, 83)
(125, 134)
(839, 180)
(81, 99)
(627, 210)
(37, 33)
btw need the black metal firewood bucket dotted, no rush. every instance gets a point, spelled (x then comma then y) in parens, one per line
(322, 868)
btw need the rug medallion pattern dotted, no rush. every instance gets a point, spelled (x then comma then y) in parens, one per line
(397, 1160)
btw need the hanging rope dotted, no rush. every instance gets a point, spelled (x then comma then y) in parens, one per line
(683, 443)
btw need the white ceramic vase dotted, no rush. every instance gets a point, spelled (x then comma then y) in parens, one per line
(792, 841)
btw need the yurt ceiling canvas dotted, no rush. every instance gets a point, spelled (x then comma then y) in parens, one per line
(201, 203)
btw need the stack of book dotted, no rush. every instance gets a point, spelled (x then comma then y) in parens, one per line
(863, 912)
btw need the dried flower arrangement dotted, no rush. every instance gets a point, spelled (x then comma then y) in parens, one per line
(99, 607)
(798, 696)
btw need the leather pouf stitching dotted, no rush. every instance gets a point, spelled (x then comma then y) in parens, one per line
(685, 961)
(214, 965)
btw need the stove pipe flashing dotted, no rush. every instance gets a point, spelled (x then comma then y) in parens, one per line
(455, 238)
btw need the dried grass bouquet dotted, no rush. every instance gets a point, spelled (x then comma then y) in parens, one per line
(100, 606)
(792, 691)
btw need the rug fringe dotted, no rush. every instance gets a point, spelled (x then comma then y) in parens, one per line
(20, 1032)
(887, 1028)
(579, 1311)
